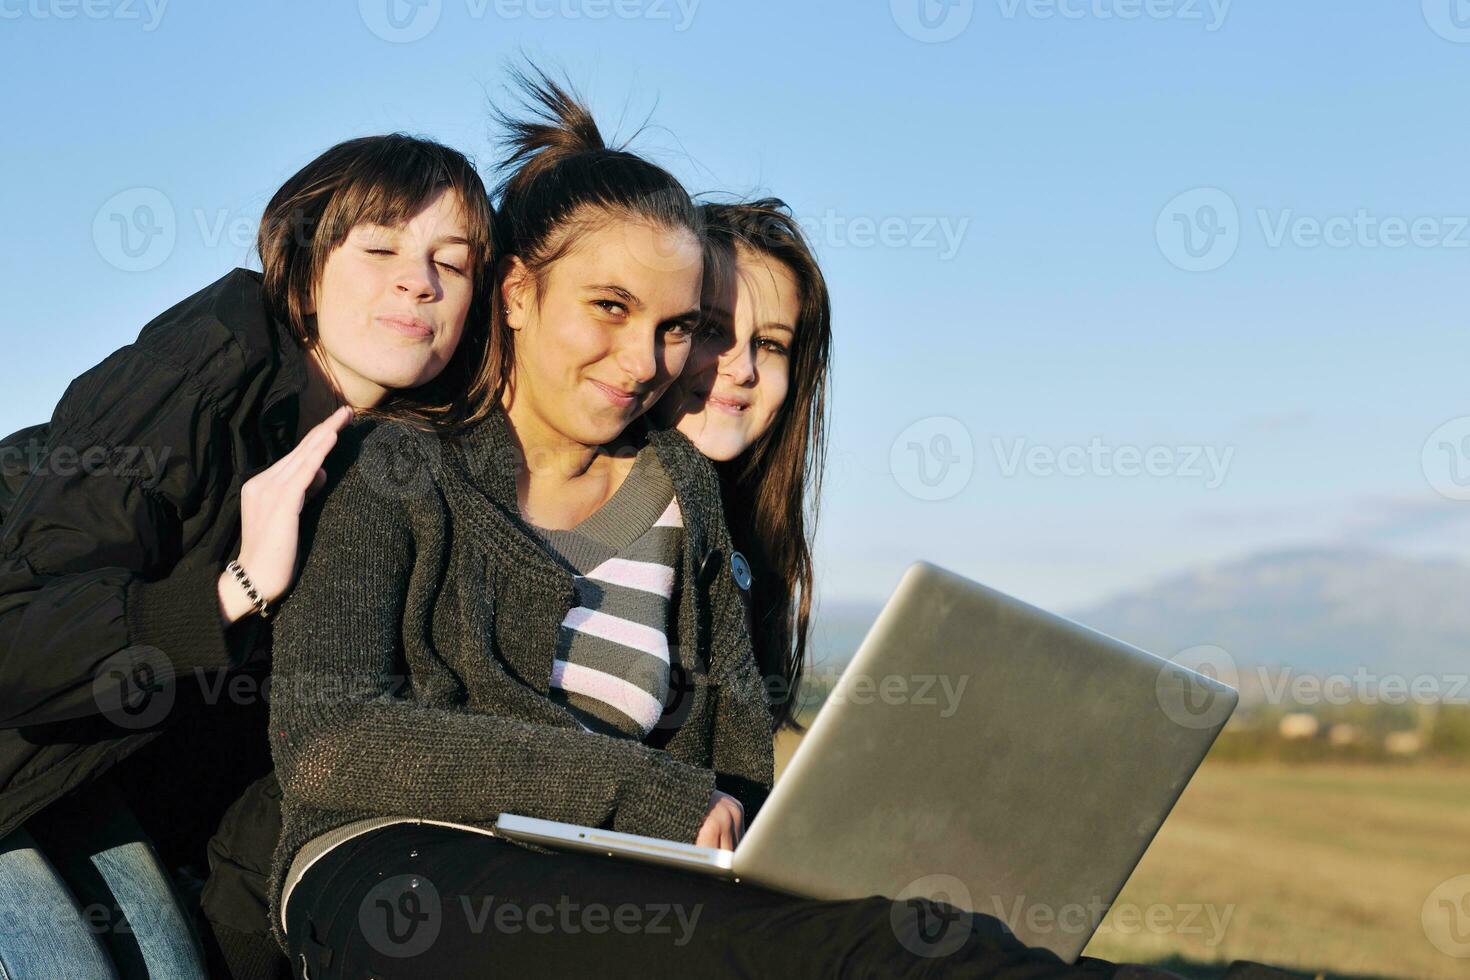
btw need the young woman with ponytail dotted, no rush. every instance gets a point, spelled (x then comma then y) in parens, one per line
(486, 624)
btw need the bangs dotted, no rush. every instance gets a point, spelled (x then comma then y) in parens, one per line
(385, 180)
(390, 191)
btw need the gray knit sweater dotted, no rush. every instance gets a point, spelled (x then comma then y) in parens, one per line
(413, 657)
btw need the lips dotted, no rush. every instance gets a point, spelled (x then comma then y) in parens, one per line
(724, 403)
(619, 397)
(408, 326)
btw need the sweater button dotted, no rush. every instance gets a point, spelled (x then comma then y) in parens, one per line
(740, 568)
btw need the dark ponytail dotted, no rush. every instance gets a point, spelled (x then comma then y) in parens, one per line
(559, 178)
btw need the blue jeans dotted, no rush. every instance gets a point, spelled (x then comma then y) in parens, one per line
(83, 894)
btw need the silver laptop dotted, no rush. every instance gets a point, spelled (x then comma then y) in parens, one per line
(976, 751)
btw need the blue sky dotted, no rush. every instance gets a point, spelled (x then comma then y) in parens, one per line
(999, 190)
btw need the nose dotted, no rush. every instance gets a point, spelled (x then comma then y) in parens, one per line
(738, 364)
(415, 279)
(637, 355)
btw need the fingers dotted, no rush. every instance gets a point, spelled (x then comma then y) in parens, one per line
(313, 452)
(721, 827)
(320, 440)
(729, 823)
(737, 817)
(295, 470)
(337, 420)
(317, 482)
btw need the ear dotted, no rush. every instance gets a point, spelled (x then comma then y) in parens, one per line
(517, 291)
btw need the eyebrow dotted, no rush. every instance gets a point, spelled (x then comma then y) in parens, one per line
(687, 317)
(619, 292)
(777, 325)
(395, 229)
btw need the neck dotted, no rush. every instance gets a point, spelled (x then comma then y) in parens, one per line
(330, 383)
(560, 481)
(546, 456)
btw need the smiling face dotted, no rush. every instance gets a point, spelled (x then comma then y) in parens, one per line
(391, 304)
(604, 332)
(738, 376)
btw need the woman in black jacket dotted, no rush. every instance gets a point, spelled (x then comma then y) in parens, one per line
(152, 526)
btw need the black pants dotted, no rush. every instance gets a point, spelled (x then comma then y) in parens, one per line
(416, 900)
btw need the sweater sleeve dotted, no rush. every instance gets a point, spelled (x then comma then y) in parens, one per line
(349, 734)
(93, 586)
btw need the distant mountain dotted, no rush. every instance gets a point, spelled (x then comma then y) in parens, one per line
(1313, 610)
(1319, 611)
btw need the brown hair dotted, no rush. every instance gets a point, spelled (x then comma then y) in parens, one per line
(385, 180)
(771, 490)
(560, 179)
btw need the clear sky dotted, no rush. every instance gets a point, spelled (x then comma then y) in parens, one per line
(1127, 286)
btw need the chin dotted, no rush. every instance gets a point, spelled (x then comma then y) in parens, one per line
(404, 376)
(718, 446)
(595, 434)
(719, 454)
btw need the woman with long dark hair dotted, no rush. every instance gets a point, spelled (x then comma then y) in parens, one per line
(753, 397)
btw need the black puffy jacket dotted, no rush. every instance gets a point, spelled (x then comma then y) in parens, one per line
(118, 517)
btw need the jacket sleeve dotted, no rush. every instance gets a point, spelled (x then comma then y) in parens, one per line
(345, 735)
(19, 454)
(92, 574)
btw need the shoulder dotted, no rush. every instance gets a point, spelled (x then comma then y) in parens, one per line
(696, 485)
(197, 355)
(219, 333)
(691, 471)
(385, 464)
(374, 501)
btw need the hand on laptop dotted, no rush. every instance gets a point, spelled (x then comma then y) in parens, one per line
(724, 823)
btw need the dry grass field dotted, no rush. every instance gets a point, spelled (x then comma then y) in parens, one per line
(1327, 869)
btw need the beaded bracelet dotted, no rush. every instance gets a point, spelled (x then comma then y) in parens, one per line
(261, 606)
